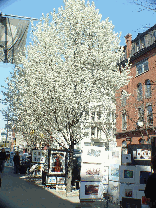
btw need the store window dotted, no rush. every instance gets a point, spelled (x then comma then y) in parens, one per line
(139, 92)
(148, 88)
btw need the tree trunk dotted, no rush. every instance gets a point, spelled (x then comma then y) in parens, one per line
(70, 168)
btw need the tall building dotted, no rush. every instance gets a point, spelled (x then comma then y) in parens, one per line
(136, 114)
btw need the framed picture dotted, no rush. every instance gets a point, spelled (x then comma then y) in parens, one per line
(57, 162)
(60, 180)
(115, 156)
(105, 188)
(91, 172)
(93, 154)
(142, 174)
(38, 156)
(105, 179)
(91, 190)
(127, 174)
(112, 145)
(143, 154)
(50, 179)
(126, 158)
(39, 153)
(127, 191)
(114, 172)
(113, 190)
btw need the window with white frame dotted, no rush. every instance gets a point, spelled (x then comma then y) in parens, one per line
(124, 121)
(139, 92)
(149, 115)
(147, 88)
(142, 67)
(123, 99)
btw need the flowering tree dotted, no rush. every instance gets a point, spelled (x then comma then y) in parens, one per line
(71, 62)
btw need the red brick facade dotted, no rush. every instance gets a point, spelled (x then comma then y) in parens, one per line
(137, 114)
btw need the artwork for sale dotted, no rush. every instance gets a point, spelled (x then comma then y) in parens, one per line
(129, 191)
(127, 174)
(115, 156)
(51, 180)
(126, 158)
(143, 154)
(91, 190)
(93, 154)
(142, 174)
(105, 180)
(112, 145)
(114, 172)
(38, 156)
(57, 162)
(60, 180)
(91, 172)
(113, 190)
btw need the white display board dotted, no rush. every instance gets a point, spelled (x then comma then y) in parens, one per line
(91, 190)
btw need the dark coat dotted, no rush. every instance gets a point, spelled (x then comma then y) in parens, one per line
(2, 156)
(150, 190)
(16, 159)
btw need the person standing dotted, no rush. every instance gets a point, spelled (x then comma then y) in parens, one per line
(150, 190)
(16, 160)
(2, 159)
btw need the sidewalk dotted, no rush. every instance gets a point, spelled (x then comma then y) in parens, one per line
(17, 193)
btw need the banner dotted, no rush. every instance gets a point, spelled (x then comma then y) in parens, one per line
(13, 34)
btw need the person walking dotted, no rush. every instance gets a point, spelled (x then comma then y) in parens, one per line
(2, 159)
(16, 160)
(150, 189)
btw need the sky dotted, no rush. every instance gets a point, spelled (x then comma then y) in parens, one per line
(126, 16)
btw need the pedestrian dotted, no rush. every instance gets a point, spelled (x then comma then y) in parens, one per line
(150, 190)
(2, 159)
(16, 160)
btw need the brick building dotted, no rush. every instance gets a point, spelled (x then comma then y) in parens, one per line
(136, 114)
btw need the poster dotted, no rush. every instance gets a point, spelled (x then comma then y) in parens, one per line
(91, 190)
(91, 172)
(115, 156)
(51, 180)
(113, 190)
(114, 172)
(127, 191)
(142, 174)
(93, 154)
(57, 162)
(143, 154)
(127, 174)
(38, 156)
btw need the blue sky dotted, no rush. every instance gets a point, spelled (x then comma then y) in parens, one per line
(126, 16)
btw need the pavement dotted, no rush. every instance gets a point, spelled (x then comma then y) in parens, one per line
(17, 192)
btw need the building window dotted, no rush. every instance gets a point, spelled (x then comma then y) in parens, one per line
(147, 88)
(142, 67)
(140, 114)
(124, 122)
(142, 43)
(139, 92)
(93, 116)
(123, 99)
(149, 115)
(92, 131)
